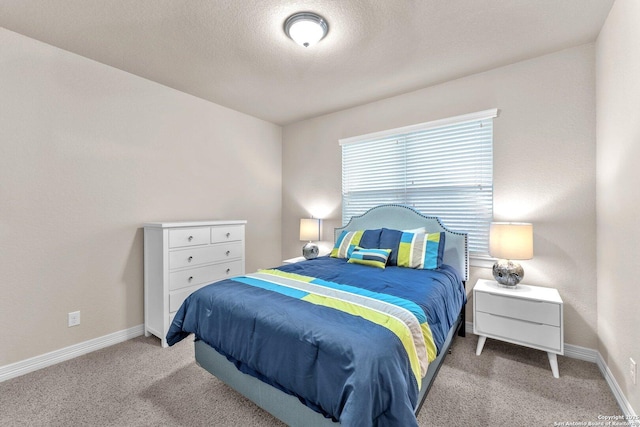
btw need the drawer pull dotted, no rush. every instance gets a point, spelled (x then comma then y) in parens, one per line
(190, 259)
(190, 278)
(190, 238)
(227, 253)
(228, 235)
(228, 270)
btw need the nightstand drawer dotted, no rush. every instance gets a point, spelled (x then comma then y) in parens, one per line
(517, 308)
(518, 331)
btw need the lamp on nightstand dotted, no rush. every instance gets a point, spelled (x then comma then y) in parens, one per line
(309, 231)
(509, 241)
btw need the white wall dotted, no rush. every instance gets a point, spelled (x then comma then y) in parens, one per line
(544, 168)
(618, 201)
(88, 154)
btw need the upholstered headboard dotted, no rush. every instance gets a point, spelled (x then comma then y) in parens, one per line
(400, 217)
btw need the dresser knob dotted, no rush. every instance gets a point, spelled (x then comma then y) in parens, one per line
(227, 253)
(190, 259)
(190, 238)
(228, 235)
(190, 278)
(228, 270)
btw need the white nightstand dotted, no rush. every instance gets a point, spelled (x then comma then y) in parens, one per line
(528, 315)
(294, 260)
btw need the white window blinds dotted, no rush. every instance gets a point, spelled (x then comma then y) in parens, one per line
(442, 168)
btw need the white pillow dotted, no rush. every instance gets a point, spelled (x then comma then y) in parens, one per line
(416, 230)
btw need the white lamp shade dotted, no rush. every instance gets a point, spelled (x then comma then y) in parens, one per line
(309, 229)
(511, 240)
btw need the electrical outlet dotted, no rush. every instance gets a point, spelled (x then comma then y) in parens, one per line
(74, 318)
(633, 370)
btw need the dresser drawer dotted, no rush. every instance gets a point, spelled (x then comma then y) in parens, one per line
(177, 298)
(182, 237)
(226, 233)
(207, 274)
(204, 255)
(523, 309)
(517, 331)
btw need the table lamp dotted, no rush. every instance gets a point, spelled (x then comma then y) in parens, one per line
(510, 241)
(309, 231)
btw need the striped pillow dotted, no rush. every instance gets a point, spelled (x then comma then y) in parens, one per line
(348, 240)
(373, 257)
(421, 250)
(346, 243)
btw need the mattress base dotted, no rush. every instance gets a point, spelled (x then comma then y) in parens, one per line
(281, 405)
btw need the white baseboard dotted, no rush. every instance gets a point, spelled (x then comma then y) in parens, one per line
(38, 362)
(627, 410)
(581, 353)
(594, 356)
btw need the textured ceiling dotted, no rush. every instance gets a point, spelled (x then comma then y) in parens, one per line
(235, 53)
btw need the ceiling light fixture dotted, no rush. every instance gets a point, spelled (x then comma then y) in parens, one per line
(306, 28)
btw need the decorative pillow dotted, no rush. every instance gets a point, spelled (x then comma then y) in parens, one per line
(346, 243)
(348, 240)
(370, 239)
(391, 239)
(416, 230)
(373, 257)
(421, 250)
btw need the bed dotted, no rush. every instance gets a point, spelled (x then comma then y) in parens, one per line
(354, 338)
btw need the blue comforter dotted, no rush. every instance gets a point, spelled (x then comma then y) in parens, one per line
(344, 366)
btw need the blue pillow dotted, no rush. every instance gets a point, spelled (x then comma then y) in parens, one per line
(371, 239)
(391, 239)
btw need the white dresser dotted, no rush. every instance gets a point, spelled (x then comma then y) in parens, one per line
(530, 316)
(181, 257)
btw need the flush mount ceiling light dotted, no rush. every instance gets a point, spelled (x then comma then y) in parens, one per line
(306, 28)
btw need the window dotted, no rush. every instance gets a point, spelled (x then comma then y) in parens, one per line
(442, 168)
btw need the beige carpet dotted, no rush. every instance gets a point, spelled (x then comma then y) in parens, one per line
(137, 383)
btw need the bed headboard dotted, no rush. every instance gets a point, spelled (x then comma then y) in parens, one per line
(400, 217)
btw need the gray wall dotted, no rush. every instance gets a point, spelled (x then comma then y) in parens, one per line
(618, 207)
(544, 169)
(88, 154)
